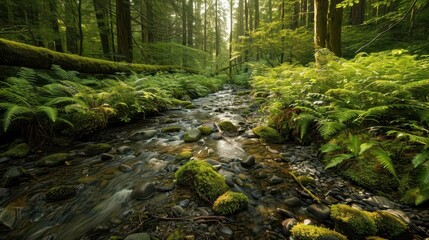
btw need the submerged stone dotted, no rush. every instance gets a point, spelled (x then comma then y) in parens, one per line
(269, 134)
(91, 150)
(61, 193)
(142, 135)
(143, 190)
(53, 160)
(228, 128)
(192, 135)
(14, 175)
(17, 151)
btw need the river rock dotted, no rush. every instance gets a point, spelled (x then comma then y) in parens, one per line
(8, 218)
(275, 180)
(61, 193)
(319, 211)
(138, 236)
(293, 201)
(125, 168)
(381, 202)
(53, 160)
(228, 128)
(17, 151)
(93, 149)
(14, 175)
(287, 225)
(106, 156)
(125, 150)
(225, 230)
(248, 162)
(216, 136)
(285, 213)
(143, 190)
(178, 211)
(192, 135)
(157, 165)
(142, 135)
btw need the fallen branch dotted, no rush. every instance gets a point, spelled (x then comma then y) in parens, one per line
(306, 190)
(198, 219)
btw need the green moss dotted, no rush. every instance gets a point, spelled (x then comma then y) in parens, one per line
(269, 134)
(305, 180)
(184, 155)
(17, 151)
(170, 129)
(190, 107)
(310, 232)
(375, 238)
(203, 179)
(228, 128)
(205, 130)
(176, 235)
(97, 148)
(411, 196)
(388, 225)
(230, 203)
(86, 123)
(53, 160)
(354, 223)
(192, 135)
(61, 193)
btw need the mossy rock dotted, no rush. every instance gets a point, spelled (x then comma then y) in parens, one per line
(192, 135)
(355, 224)
(85, 124)
(184, 155)
(269, 134)
(230, 203)
(306, 179)
(53, 160)
(17, 151)
(228, 128)
(389, 226)
(375, 238)
(97, 148)
(190, 107)
(61, 193)
(310, 232)
(171, 129)
(176, 235)
(205, 130)
(203, 179)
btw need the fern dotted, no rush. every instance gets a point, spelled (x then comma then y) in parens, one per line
(329, 128)
(51, 113)
(338, 160)
(12, 111)
(420, 158)
(385, 160)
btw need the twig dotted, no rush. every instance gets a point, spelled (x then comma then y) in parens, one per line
(315, 198)
(390, 27)
(193, 219)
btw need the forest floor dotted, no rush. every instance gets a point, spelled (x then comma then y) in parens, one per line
(102, 202)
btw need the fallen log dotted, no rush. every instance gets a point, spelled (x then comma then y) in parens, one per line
(24, 55)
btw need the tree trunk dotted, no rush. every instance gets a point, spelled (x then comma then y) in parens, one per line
(184, 22)
(190, 19)
(240, 19)
(79, 14)
(320, 23)
(230, 39)
(357, 13)
(334, 27)
(103, 25)
(217, 35)
(249, 8)
(55, 26)
(123, 27)
(205, 26)
(71, 22)
(10, 17)
(303, 13)
(295, 17)
(150, 21)
(282, 17)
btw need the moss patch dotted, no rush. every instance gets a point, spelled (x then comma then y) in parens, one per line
(228, 128)
(97, 148)
(309, 232)
(53, 160)
(203, 179)
(205, 130)
(184, 155)
(176, 235)
(269, 134)
(388, 225)
(171, 129)
(355, 224)
(61, 193)
(17, 151)
(230, 203)
(306, 179)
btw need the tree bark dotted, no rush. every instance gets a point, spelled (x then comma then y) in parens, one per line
(184, 23)
(123, 27)
(190, 19)
(103, 25)
(71, 23)
(217, 34)
(79, 14)
(230, 39)
(205, 27)
(150, 21)
(357, 13)
(55, 26)
(295, 17)
(270, 10)
(334, 27)
(320, 23)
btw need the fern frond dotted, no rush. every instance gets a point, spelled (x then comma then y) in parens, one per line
(338, 160)
(50, 112)
(329, 128)
(420, 158)
(409, 136)
(64, 100)
(303, 121)
(12, 111)
(366, 146)
(329, 147)
(385, 160)
(344, 115)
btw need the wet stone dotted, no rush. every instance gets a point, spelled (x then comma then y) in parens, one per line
(224, 229)
(275, 179)
(293, 201)
(184, 202)
(248, 162)
(125, 150)
(285, 213)
(13, 176)
(287, 225)
(61, 193)
(124, 168)
(142, 135)
(143, 190)
(177, 211)
(138, 236)
(319, 211)
(106, 156)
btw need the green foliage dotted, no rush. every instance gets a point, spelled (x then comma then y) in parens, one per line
(309, 232)
(230, 203)
(354, 223)
(203, 179)
(371, 109)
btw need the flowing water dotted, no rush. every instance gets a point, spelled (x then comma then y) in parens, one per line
(104, 205)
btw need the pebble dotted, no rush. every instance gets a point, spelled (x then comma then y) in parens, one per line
(106, 156)
(138, 236)
(178, 211)
(124, 168)
(287, 225)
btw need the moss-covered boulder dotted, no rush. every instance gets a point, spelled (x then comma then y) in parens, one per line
(170, 129)
(61, 193)
(203, 179)
(13, 176)
(192, 135)
(230, 203)
(205, 130)
(375, 238)
(389, 226)
(97, 148)
(17, 151)
(269, 134)
(310, 232)
(355, 224)
(228, 128)
(53, 160)
(184, 155)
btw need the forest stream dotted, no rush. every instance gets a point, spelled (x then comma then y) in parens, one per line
(101, 191)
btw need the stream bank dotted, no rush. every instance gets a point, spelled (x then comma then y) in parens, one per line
(98, 197)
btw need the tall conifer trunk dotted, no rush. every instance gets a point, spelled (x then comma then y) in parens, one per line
(123, 27)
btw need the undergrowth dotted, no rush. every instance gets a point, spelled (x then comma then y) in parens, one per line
(373, 108)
